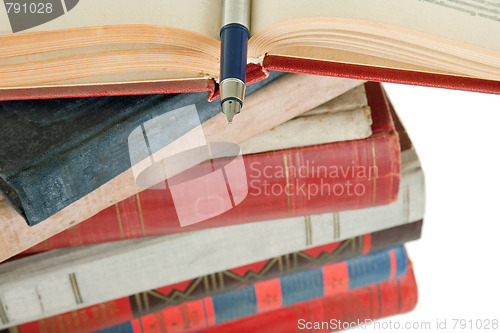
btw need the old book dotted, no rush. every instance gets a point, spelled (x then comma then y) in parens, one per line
(98, 49)
(327, 314)
(71, 179)
(103, 272)
(307, 273)
(153, 213)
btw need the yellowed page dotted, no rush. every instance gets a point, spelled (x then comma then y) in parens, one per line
(473, 22)
(195, 15)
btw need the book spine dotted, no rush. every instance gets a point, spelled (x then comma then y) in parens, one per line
(379, 74)
(89, 319)
(272, 294)
(198, 288)
(264, 296)
(374, 162)
(331, 313)
(187, 262)
(119, 89)
(255, 73)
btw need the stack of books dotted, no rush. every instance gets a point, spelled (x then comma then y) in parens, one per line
(332, 196)
(129, 205)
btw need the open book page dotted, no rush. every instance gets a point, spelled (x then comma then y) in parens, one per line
(469, 21)
(117, 41)
(195, 15)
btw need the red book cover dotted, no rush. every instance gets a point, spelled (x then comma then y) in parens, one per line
(255, 73)
(380, 74)
(290, 182)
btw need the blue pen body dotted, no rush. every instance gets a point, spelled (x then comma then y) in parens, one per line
(234, 36)
(234, 44)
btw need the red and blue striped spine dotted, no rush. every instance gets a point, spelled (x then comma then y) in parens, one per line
(263, 296)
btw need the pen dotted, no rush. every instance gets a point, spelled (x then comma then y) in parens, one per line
(234, 36)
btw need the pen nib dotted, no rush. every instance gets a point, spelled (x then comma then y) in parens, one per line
(230, 108)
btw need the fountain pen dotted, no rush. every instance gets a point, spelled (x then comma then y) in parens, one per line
(234, 36)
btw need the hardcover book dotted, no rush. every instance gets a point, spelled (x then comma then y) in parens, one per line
(92, 48)
(380, 149)
(76, 146)
(304, 279)
(103, 272)
(124, 220)
(358, 307)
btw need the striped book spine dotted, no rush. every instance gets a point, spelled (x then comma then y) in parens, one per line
(273, 294)
(326, 314)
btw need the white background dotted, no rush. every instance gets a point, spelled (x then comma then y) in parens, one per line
(457, 260)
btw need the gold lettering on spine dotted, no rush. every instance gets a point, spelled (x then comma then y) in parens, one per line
(76, 290)
(375, 175)
(287, 188)
(140, 215)
(119, 221)
(14, 329)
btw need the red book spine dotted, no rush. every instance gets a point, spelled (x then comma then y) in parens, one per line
(88, 319)
(95, 90)
(291, 182)
(379, 74)
(328, 314)
(255, 73)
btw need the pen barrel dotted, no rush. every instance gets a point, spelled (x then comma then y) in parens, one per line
(234, 45)
(236, 11)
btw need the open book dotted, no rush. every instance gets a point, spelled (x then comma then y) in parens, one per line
(101, 47)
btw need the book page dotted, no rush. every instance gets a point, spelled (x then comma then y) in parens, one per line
(203, 16)
(475, 22)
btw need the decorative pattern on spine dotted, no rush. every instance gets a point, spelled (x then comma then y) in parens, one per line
(274, 294)
(330, 313)
(262, 296)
